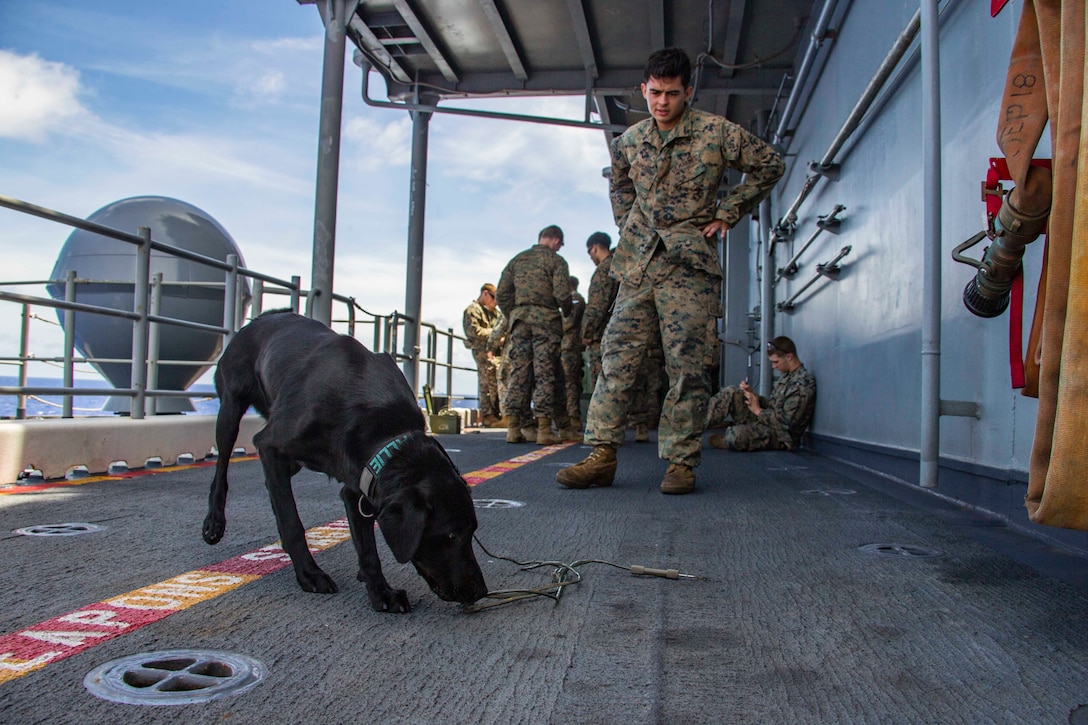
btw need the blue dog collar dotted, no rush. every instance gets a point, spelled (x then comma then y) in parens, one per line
(377, 462)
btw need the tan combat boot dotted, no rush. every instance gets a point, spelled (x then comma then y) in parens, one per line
(529, 434)
(570, 435)
(642, 434)
(576, 423)
(513, 432)
(678, 479)
(597, 469)
(544, 435)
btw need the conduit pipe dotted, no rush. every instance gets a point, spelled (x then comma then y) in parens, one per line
(819, 34)
(826, 164)
(364, 64)
(929, 445)
(766, 280)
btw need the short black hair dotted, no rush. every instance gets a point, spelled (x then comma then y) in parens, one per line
(783, 345)
(551, 231)
(599, 239)
(668, 63)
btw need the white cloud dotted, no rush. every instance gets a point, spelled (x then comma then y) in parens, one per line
(371, 145)
(37, 97)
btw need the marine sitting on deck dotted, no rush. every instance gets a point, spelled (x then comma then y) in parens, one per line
(762, 424)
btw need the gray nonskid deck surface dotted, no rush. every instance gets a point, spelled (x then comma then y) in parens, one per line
(792, 623)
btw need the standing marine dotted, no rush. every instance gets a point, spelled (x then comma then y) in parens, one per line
(666, 173)
(534, 292)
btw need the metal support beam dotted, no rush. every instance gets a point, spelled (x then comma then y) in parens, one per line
(656, 18)
(506, 41)
(333, 14)
(426, 40)
(733, 24)
(417, 204)
(379, 54)
(581, 34)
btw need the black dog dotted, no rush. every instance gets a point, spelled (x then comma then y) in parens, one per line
(333, 406)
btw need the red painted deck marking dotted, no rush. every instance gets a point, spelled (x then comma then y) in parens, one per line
(61, 637)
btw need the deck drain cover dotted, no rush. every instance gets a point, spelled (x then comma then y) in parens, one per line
(174, 677)
(830, 492)
(59, 529)
(496, 503)
(908, 551)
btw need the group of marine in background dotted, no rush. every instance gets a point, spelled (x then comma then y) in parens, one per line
(531, 382)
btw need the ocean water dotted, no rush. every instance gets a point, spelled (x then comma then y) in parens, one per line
(50, 406)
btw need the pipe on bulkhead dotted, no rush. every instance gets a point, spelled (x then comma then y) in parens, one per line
(766, 281)
(891, 60)
(929, 444)
(815, 41)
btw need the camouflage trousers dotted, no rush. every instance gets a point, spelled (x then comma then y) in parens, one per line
(573, 369)
(672, 302)
(748, 432)
(487, 370)
(645, 405)
(525, 414)
(535, 372)
(594, 353)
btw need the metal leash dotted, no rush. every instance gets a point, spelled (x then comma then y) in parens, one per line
(563, 575)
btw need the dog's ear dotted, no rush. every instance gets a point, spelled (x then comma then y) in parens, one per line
(401, 520)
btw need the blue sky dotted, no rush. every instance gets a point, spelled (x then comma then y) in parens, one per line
(215, 103)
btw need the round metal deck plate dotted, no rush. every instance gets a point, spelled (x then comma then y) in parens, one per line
(70, 529)
(907, 551)
(496, 503)
(174, 677)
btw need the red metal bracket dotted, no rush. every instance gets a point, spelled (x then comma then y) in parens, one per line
(997, 6)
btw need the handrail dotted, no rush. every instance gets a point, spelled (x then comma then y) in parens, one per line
(146, 319)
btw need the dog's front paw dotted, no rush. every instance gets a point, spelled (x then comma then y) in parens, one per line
(390, 600)
(316, 581)
(213, 529)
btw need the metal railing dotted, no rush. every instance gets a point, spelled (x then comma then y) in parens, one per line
(147, 321)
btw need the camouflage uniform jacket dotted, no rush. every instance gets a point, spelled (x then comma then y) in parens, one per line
(478, 322)
(664, 187)
(789, 409)
(602, 293)
(572, 323)
(534, 287)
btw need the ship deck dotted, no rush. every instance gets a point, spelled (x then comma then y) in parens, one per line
(823, 593)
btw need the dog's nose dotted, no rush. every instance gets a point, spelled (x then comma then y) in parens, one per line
(470, 594)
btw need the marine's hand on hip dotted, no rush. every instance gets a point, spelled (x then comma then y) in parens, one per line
(715, 227)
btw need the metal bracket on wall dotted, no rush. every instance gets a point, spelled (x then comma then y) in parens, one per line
(827, 222)
(961, 409)
(828, 171)
(829, 269)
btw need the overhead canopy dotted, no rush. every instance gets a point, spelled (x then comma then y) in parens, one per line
(437, 50)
